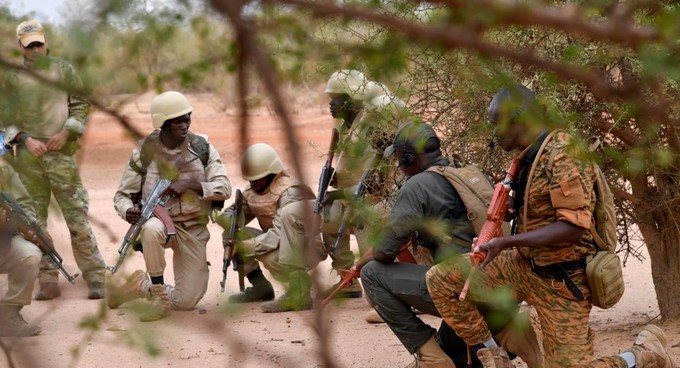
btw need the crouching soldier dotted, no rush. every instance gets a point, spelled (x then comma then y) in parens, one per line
(278, 203)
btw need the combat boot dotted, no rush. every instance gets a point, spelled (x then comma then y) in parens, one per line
(96, 290)
(494, 357)
(160, 304)
(296, 299)
(431, 355)
(261, 290)
(373, 317)
(352, 290)
(13, 324)
(48, 290)
(650, 349)
(121, 290)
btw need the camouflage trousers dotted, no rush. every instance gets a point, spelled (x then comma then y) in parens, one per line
(57, 174)
(567, 338)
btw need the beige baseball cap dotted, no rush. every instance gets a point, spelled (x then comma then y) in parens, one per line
(30, 31)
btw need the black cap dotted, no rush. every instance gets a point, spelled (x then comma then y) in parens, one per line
(411, 137)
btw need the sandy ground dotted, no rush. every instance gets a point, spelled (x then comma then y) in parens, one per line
(214, 334)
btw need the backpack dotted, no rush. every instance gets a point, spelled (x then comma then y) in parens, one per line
(474, 189)
(603, 269)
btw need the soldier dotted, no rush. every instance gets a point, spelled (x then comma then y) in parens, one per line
(47, 124)
(279, 204)
(544, 262)
(427, 202)
(19, 259)
(198, 178)
(369, 116)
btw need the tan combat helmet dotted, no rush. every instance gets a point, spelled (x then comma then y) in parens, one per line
(168, 105)
(347, 81)
(258, 161)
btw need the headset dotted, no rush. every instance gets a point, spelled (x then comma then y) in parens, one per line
(407, 160)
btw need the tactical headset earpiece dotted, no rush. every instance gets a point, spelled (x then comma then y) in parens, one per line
(406, 160)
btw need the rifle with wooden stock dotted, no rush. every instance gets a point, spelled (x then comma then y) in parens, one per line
(18, 221)
(359, 193)
(354, 272)
(152, 207)
(326, 172)
(229, 244)
(493, 226)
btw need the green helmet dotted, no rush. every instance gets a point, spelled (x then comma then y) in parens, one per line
(347, 81)
(258, 161)
(168, 105)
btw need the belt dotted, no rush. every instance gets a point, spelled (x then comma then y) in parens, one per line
(559, 271)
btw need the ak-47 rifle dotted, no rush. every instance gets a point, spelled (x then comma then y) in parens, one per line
(229, 243)
(327, 172)
(354, 272)
(359, 192)
(493, 226)
(19, 221)
(153, 206)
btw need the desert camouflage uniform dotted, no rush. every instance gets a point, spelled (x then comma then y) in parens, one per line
(21, 261)
(42, 111)
(561, 192)
(190, 214)
(280, 212)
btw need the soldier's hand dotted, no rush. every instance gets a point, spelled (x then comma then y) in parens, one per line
(31, 236)
(132, 215)
(58, 140)
(331, 197)
(176, 189)
(35, 147)
(492, 249)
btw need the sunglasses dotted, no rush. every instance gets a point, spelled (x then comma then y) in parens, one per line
(35, 45)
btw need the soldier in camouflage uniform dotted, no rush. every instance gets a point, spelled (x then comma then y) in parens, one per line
(45, 123)
(369, 116)
(19, 259)
(544, 262)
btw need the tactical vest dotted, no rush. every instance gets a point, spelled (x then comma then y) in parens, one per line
(264, 205)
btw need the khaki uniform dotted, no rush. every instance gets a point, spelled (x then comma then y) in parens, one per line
(190, 214)
(42, 111)
(562, 191)
(280, 212)
(21, 261)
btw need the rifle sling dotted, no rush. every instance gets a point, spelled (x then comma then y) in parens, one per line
(162, 214)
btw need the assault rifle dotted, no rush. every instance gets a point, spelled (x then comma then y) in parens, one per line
(493, 226)
(359, 192)
(19, 221)
(354, 272)
(153, 206)
(327, 172)
(229, 242)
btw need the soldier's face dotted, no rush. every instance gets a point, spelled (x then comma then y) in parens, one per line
(340, 104)
(179, 126)
(509, 133)
(34, 49)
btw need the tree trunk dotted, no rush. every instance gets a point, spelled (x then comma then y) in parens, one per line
(662, 237)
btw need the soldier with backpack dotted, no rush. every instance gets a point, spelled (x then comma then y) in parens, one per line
(547, 261)
(431, 210)
(198, 179)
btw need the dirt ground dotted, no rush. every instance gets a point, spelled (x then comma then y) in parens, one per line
(213, 334)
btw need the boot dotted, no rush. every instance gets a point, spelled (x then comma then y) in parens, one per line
(352, 290)
(650, 349)
(13, 324)
(494, 357)
(431, 355)
(261, 290)
(373, 317)
(296, 299)
(124, 289)
(160, 304)
(520, 338)
(96, 290)
(48, 290)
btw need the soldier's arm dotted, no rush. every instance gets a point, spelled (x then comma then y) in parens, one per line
(217, 185)
(78, 107)
(130, 183)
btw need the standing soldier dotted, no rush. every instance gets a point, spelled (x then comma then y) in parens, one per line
(278, 203)
(19, 259)
(544, 262)
(47, 124)
(198, 178)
